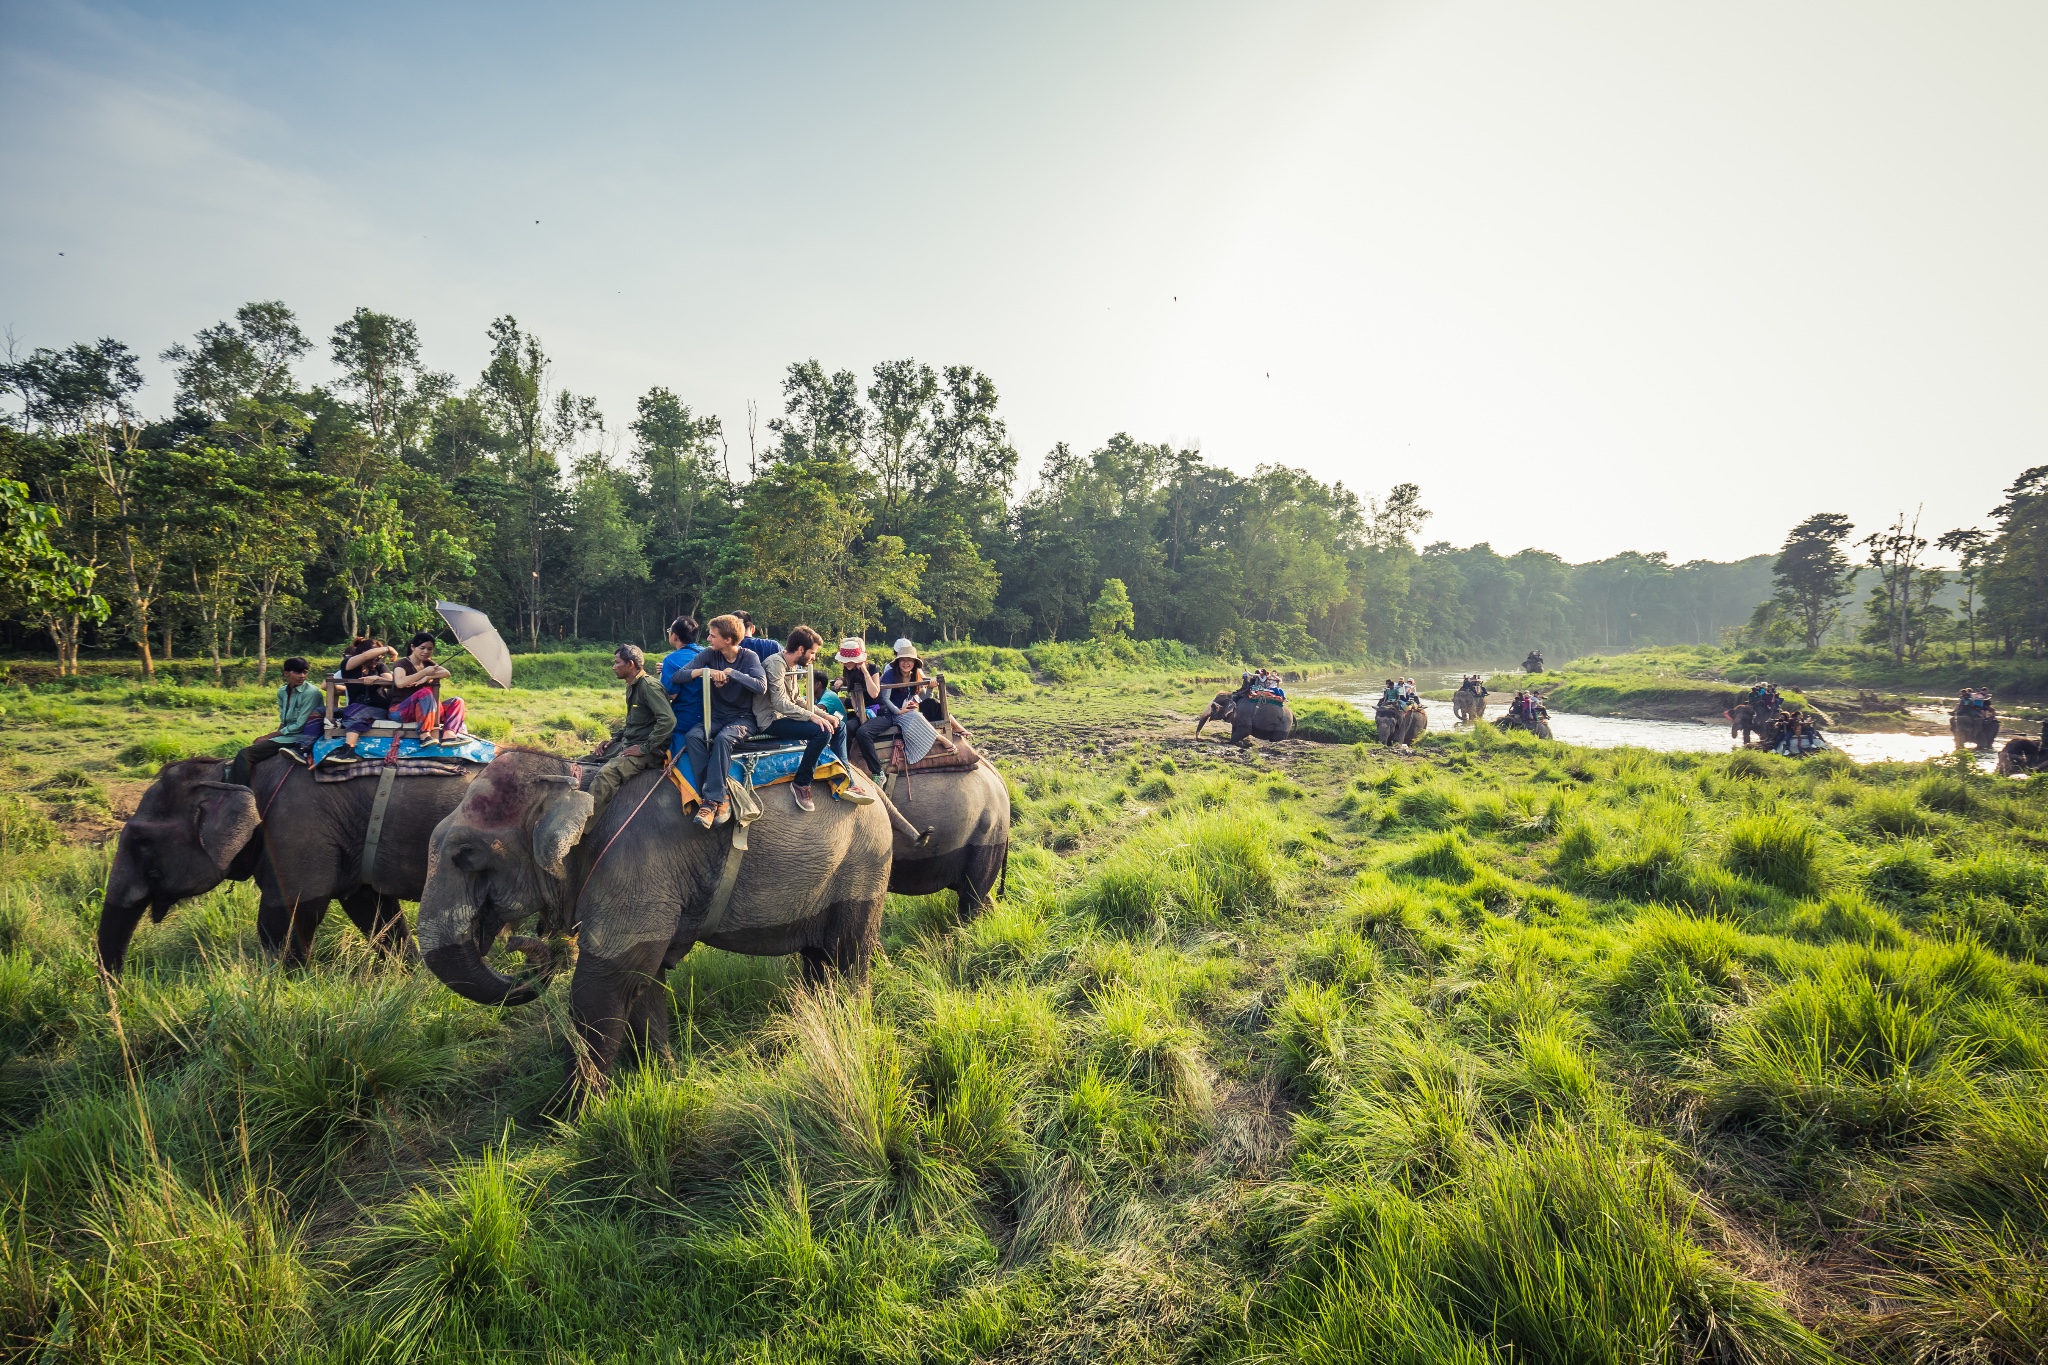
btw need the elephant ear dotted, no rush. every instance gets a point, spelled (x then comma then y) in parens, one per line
(226, 816)
(559, 828)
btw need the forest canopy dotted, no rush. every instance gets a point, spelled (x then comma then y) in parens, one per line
(254, 508)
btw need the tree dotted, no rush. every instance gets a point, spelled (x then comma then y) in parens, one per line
(823, 418)
(1812, 575)
(2016, 573)
(798, 556)
(379, 359)
(1895, 554)
(959, 585)
(85, 394)
(1110, 617)
(38, 578)
(604, 545)
(903, 395)
(1971, 547)
(689, 494)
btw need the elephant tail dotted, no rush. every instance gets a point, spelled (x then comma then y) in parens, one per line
(1003, 880)
(918, 838)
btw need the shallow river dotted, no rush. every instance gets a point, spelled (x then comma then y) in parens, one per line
(1611, 732)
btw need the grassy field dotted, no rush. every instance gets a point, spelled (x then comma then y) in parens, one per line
(1498, 1052)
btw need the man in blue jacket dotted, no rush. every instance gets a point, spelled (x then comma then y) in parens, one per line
(736, 679)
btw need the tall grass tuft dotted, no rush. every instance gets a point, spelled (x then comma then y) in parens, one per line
(1784, 851)
(177, 1274)
(1191, 869)
(438, 1262)
(845, 1107)
(1557, 1249)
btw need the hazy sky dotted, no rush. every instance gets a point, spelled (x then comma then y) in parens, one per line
(1598, 276)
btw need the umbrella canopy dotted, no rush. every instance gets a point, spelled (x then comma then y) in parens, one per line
(475, 633)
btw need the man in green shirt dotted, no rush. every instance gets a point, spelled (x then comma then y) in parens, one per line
(650, 721)
(298, 702)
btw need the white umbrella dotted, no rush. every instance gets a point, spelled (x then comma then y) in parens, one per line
(475, 633)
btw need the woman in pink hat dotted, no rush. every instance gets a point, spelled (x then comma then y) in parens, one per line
(869, 711)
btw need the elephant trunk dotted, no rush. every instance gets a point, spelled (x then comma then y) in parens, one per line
(121, 907)
(447, 935)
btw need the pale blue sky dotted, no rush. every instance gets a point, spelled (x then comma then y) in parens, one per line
(1653, 253)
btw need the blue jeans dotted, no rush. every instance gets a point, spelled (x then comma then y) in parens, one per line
(709, 763)
(811, 733)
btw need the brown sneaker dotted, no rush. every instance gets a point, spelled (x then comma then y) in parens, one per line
(707, 816)
(803, 797)
(724, 811)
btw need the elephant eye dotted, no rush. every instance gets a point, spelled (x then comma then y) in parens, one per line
(469, 858)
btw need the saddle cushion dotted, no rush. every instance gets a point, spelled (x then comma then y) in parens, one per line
(457, 749)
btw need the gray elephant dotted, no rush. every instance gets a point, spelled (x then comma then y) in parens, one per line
(1469, 702)
(640, 889)
(301, 840)
(967, 813)
(1976, 725)
(1396, 725)
(1257, 718)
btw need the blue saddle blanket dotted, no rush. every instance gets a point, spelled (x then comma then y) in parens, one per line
(766, 767)
(463, 749)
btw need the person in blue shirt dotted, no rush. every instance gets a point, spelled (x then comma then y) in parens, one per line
(736, 679)
(755, 642)
(682, 647)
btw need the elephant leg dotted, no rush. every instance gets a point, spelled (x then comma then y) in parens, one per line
(287, 928)
(648, 1038)
(604, 1003)
(847, 945)
(381, 919)
(984, 866)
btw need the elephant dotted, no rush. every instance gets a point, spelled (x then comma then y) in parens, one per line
(1254, 718)
(2022, 754)
(638, 888)
(1534, 663)
(964, 815)
(1538, 726)
(1249, 719)
(301, 840)
(1221, 707)
(1469, 701)
(1397, 726)
(1976, 725)
(1751, 724)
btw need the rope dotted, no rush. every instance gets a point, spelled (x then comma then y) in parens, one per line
(666, 764)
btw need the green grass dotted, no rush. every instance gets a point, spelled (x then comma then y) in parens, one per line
(1498, 1051)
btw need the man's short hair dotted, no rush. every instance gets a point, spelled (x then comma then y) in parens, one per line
(297, 665)
(730, 626)
(746, 619)
(631, 654)
(803, 637)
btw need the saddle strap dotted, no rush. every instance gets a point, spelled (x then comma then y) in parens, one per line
(386, 780)
(728, 877)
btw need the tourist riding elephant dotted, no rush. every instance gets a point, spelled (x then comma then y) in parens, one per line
(967, 815)
(1534, 663)
(1976, 725)
(1469, 702)
(639, 888)
(1537, 725)
(1396, 725)
(1258, 718)
(301, 840)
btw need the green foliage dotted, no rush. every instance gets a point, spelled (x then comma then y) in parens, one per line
(1330, 721)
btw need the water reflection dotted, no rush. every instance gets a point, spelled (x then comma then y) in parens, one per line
(1672, 736)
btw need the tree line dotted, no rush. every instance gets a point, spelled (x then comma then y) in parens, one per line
(260, 508)
(1994, 599)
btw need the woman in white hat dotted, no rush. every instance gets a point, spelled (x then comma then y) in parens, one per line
(869, 711)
